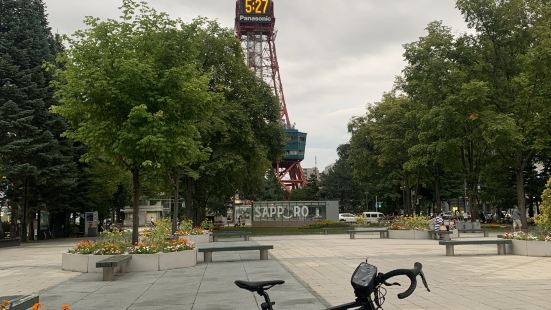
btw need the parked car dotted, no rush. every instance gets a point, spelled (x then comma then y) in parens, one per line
(347, 217)
(373, 217)
(447, 214)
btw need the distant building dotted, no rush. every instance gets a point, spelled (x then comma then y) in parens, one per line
(308, 172)
(149, 210)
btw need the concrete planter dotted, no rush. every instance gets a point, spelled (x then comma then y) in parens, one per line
(531, 248)
(409, 234)
(455, 233)
(74, 262)
(144, 262)
(197, 239)
(176, 260)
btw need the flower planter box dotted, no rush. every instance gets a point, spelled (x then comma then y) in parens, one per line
(74, 262)
(175, 260)
(409, 234)
(531, 248)
(139, 262)
(197, 239)
(144, 262)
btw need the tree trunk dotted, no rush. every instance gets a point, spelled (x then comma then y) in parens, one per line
(437, 197)
(24, 234)
(189, 199)
(14, 231)
(407, 197)
(135, 204)
(176, 203)
(31, 228)
(521, 202)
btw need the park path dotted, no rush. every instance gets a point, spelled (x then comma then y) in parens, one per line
(476, 278)
(32, 267)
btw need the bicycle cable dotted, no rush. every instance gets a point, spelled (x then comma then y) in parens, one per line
(380, 297)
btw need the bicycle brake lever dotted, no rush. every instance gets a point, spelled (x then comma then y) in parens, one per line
(424, 280)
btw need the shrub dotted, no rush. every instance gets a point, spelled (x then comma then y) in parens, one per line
(326, 224)
(84, 247)
(544, 219)
(207, 225)
(158, 234)
(186, 225)
(119, 238)
(410, 223)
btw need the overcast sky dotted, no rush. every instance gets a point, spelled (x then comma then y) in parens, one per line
(335, 56)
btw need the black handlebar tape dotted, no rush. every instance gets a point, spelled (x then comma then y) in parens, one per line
(410, 273)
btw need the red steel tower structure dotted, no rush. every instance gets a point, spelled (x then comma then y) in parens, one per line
(255, 28)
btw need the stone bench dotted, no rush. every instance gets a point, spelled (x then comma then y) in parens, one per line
(383, 231)
(209, 248)
(9, 243)
(459, 231)
(242, 234)
(109, 264)
(327, 230)
(444, 234)
(20, 302)
(501, 249)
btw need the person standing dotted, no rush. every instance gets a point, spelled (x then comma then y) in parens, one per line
(515, 216)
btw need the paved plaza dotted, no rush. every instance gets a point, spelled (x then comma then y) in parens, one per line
(316, 269)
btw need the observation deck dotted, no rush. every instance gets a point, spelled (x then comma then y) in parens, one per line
(296, 144)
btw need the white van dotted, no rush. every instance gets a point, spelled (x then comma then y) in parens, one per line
(373, 217)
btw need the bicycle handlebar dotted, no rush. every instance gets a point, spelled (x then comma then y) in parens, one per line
(410, 273)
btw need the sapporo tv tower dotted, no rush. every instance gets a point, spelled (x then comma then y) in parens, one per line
(255, 28)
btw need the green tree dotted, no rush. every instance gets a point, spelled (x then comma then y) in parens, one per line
(38, 165)
(243, 132)
(514, 40)
(379, 150)
(133, 94)
(428, 82)
(338, 183)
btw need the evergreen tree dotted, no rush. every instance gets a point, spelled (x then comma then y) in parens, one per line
(32, 159)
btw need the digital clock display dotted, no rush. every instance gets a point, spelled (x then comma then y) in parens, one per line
(255, 11)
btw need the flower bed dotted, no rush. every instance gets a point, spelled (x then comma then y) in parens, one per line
(529, 244)
(195, 235)
(154, 253)
(414, 228)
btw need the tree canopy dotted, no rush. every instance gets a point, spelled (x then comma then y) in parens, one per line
(475, 115)
(149, 93)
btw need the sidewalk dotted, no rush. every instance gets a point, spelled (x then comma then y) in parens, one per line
(203, 287)
(36, 268)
